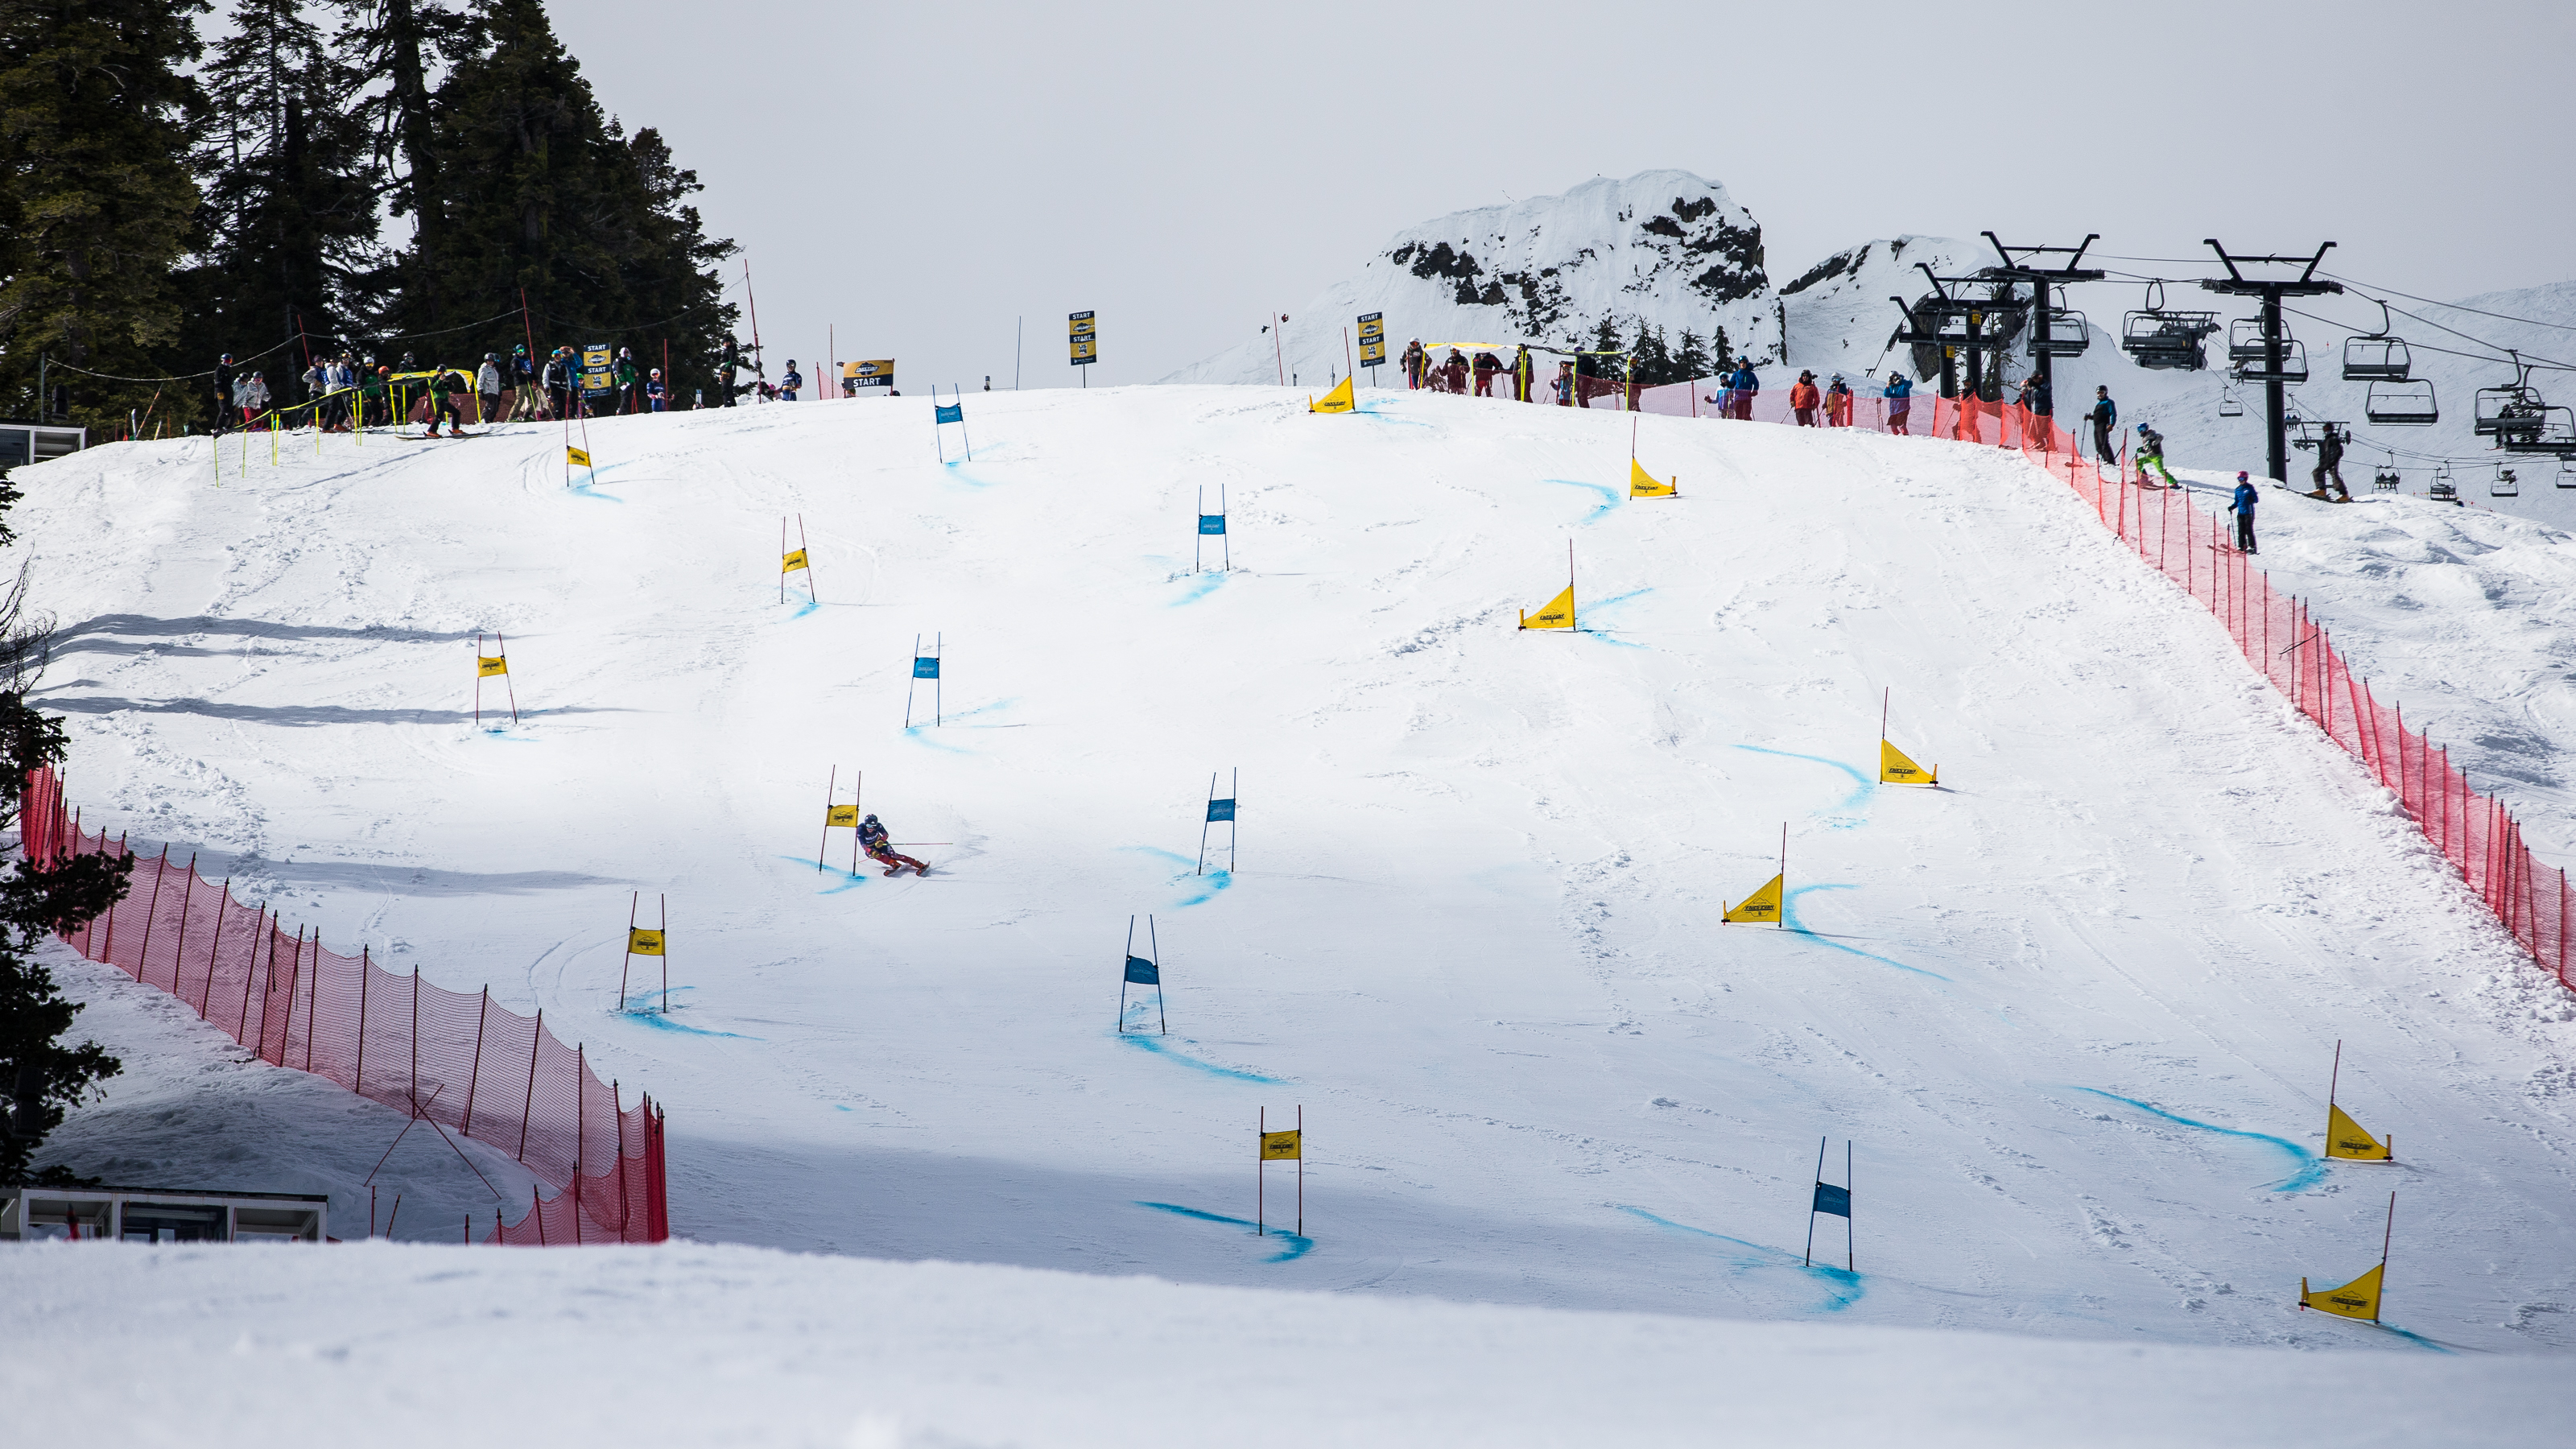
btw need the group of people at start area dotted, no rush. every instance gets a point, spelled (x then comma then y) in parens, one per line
(346, 392)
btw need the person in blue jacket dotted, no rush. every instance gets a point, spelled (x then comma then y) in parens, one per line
(2243, 507)
(788, 385)
(1899, 393)
(2106, 416)
(1741, 387)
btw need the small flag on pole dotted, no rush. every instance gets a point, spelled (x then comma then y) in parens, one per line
(2346, 1139)
(642, 942)
(840, 815)
(794, 562)
(487, 665)
(1141, 972)
(578, 457)
(2356, 1299)
(1339, 400)
(1894, 768)
(1283, 1146)
(1642, 484)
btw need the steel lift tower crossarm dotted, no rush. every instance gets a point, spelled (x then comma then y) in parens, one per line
(2237, 284)
(2039, 278)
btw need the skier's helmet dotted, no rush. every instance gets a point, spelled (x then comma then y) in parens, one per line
(871, 820)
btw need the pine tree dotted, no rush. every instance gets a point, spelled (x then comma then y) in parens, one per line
(1653, 358)
(390, 48)
(39, 1075)
(591, 226)
(290, 219)
(97, 118)
(1693, 361)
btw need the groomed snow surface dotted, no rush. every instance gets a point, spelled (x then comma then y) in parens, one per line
(2075, 1008)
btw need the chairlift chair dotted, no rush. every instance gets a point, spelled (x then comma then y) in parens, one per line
(2567, 472)
(2505, 485)
(2068, 334)
(2556, 434)
(2245, 340)
(2378, 356)
(2157, 336)
(2408, 404)
(2387, 480)
(2442, 489)
(2229, 406)
(2509, 412)
(2294, 363)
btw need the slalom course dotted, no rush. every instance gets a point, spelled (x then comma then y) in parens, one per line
(1482, 927)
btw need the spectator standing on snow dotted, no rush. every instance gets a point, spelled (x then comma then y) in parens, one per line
(1838, 403)
(655, 395)
(551, 378)
(487, 389)
(252, 397)
(622, 373)
(1743, 387)
(2243, 507)
(1563, 384)
(1804, 399)
(224, 404)
(523, 386)
(1487, 364)
(2330, 463)
(1899, 393)
(1524, 375)
(2105, 416)
(1413, 364)
(788, 385)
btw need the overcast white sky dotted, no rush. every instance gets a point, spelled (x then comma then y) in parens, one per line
(919, 176)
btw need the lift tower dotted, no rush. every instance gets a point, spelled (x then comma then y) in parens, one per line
(1925, 325)
(2044, 349)
(2237, 284)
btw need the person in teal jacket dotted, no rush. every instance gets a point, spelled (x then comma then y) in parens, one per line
(2106, 416)
(1899, 393)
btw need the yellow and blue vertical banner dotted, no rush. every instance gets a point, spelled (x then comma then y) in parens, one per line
(1372, 340)
(1083, 335)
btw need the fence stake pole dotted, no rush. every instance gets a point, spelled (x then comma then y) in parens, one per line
(122, 852)
(580, 1131)
(474, 1074)
(250, 973)
(622, 1203)
(179, 952)
(294, 979)
(312, 996)
(531, 1104)
(206, 998)
(415, 1041)
(358, 1079)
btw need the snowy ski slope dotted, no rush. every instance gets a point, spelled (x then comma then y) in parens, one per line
(2076, 1008)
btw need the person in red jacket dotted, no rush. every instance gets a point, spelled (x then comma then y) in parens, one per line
(1804, 399)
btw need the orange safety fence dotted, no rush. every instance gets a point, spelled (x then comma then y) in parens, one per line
(450, 1057)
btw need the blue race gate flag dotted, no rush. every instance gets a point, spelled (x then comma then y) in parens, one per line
(1141, 972)
(925, 668)
(1220, 810)
(1211, 523)
(1832, 1200)
(949, 413)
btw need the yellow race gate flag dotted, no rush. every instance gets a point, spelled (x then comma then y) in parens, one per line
(1283, 1146)
(2344, 1138)
(1642, 484)
(1340, 400)
(2356, 1299)
(1894, 768)
(1762, 905)
(841, 815)
(794, 562)
(642, 942)
(486, 665)
(578, 457)
(1559, 613)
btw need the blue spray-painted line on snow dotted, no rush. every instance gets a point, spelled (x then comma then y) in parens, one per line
(2312, 1168)
(805, 607)
(1155, 1044)
(1592, 612)
(1609, 497)
(1297, 1246)
(1854, 801)
(1844, 1286)
(1789, 921)
(848, 879)
(1371, 410)
(1199, 889)
(661, 1020)
(1199, 587)
(2414, 1338)
(955, 467)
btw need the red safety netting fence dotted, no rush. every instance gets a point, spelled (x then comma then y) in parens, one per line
(449, 1057)
(2476, 833)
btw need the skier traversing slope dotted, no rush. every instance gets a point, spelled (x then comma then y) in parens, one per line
(872, 839)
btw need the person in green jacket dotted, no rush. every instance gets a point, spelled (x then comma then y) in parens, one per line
(445, 388)
(624, 376)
